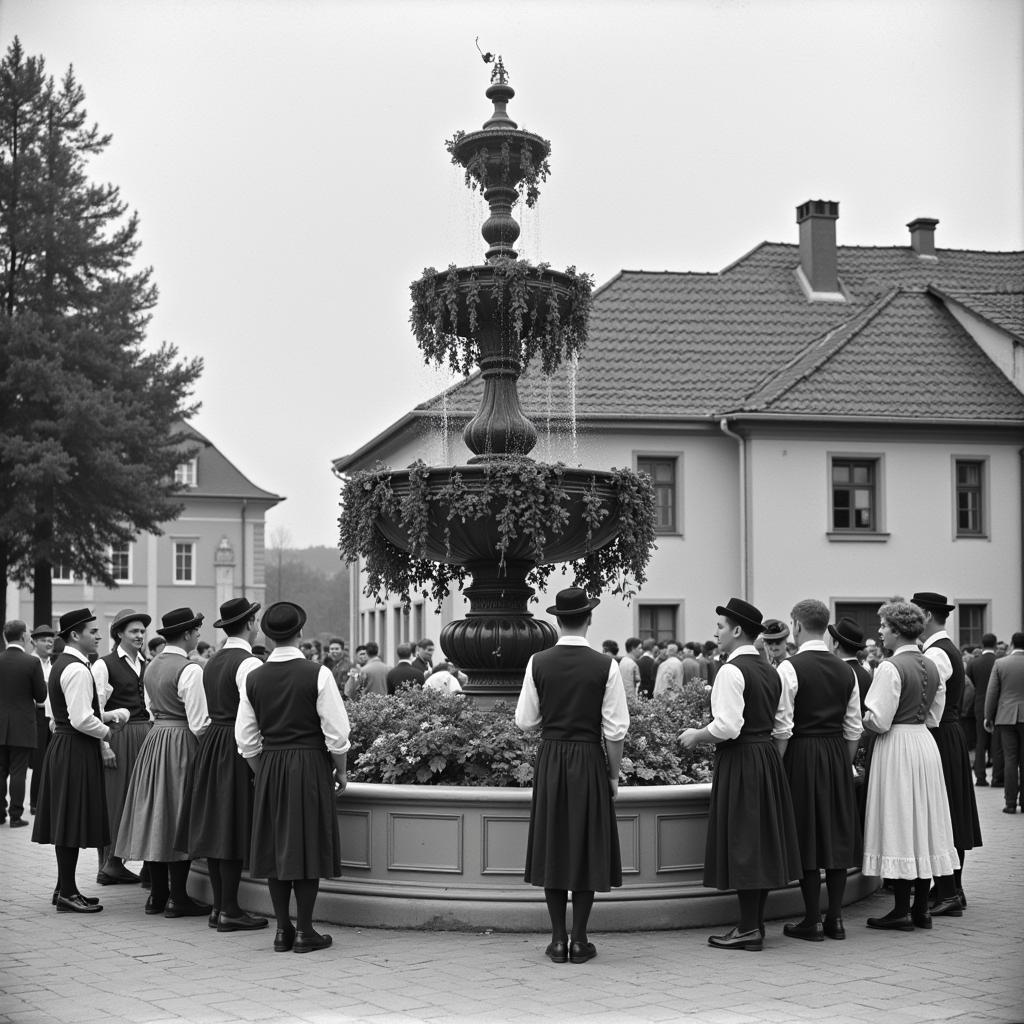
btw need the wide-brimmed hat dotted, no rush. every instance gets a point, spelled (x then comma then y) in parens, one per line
(40, 631)
(573, 601)
(178, 621)
(931, 602)
(70, 621)
(282, 620)
(744, 613)
(774, 629)
(126, 615)
(238, 609)
(848, 633)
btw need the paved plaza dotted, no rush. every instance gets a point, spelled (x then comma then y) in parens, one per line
(121, 966)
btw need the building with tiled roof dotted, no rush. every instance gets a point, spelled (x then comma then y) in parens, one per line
(213, 551)
(843, 422)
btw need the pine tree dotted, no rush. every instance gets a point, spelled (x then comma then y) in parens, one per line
(90, 418)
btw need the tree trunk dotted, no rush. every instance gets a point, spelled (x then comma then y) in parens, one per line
(42, 572)
(4, 566)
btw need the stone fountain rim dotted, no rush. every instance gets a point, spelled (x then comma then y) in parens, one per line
(482, 134)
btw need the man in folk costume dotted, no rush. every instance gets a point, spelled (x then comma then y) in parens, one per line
(156, 790)
(217, 824)
(72, 810)
(939, 648)
(821, 695)
(752, 843)
(577, 698)
(119, 684)
(42, 648)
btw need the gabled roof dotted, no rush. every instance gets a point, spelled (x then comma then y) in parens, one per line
(217, 477)
(1001, 307)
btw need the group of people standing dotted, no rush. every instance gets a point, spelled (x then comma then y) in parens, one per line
(234, 760)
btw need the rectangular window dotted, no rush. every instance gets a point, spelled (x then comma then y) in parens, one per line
(657, 620)
(184, 561)
(864, 613)
(970, 507)
(971, 623)
(186, 473)
(663, 476)
(61, 574)
(121, 562)
(855, 495)
(418, 625)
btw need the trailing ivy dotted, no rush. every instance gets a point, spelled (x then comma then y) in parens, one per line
(526, 501)
(545, 313)
(495, 166)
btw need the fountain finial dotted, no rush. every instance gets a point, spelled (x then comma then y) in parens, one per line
(499, 93)
(499, 73)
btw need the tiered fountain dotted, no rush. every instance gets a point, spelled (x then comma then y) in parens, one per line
(504, 520)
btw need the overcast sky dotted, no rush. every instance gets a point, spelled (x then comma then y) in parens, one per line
(286, 160)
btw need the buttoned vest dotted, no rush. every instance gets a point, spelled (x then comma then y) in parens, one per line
(570, 682)
(919, 680)
(127, 688)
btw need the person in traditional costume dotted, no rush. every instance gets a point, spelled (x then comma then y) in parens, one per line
(217, 821)
(162, 774)
(752, 842)
(907, 833)
(293, 729)
(72, 811)
(577, 698)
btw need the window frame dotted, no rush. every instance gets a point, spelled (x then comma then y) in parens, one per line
(193, 543)
(877, 532)
(62, 581)
(190, 477)
(127, 579)
(676, 609)
(675, 529)
(982, 605)
(982, 533)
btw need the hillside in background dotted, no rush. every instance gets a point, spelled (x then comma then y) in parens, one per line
(317, 579)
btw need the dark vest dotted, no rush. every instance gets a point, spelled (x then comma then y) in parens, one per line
(762, 689)
(864, 678)
(219, 684)
(58, 702)
(920, 682)
(954, 684)
(161, 684)
(283, 697)
(825, 684)
(127, 688)
(570, 682)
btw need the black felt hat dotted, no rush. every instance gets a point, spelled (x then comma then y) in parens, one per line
(775, 629)
(126, 615)
(238, 609)
(179, 621)
(573, 601)
(40, 631)
(848, 633)
(282, 620)
(743, 612)
(932, 602)
(70, 621)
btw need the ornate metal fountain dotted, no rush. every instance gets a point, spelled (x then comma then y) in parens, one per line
(503, 520)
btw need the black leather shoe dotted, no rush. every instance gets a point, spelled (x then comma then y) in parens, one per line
(581, 952)
(76, 905)
(310, 942)
(1006, 810)
(735, 939)
(117, 876)
(812, 932)
(214, 918)
(155, 906)
(284, 940)
(91, 900)
(948, 908)
(892, 923)
(922, 920)
(833, 928)
(997, 783)
(187, 908)
(243, 923)
(980, 783)
(962, 898)
(557, 952)
(18, 822)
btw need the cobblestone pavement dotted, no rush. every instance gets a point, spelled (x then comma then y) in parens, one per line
(121, 966)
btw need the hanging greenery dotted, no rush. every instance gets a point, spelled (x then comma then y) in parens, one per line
(528, 501)
(523, 166)
(545, 312)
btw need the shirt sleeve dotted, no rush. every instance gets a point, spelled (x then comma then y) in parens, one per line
(528, 708)
(243, 673)
(77, 683)
(938, 704)
(783, 727)
(853, 724)
(727, 704)
(614, 712)
(247, 732)
(333, 716)
(940, 659)
(883, 698)
(103, 687)
(193, 696)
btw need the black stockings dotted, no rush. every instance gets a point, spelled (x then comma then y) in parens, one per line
(67, 864)
(810, 887)
(752, 904)
(558, 901)
(225, 877)
(306, 890)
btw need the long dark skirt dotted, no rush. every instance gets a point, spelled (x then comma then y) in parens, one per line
(294, 820)
(956, 771)
(574, 840)
(126, 744)
(752, 839)
(216, 820)
(824, 802)
(71, 809)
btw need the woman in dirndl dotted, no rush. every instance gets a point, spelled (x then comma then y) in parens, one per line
(908, 837)
(293, 729)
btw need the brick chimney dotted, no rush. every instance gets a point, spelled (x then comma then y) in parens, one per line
(817, 219)
(922, 236)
